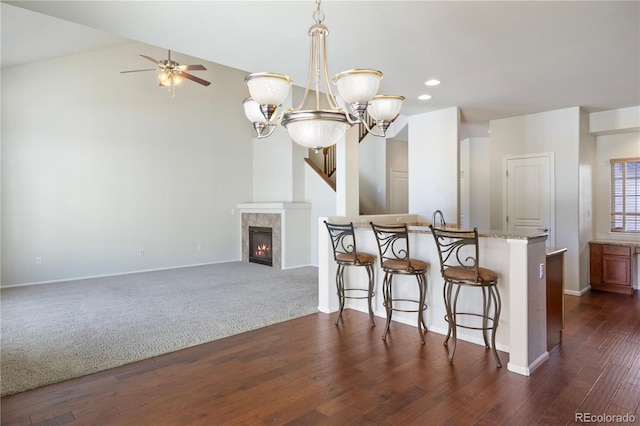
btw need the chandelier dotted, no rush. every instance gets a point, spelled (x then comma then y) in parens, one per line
(326, 123)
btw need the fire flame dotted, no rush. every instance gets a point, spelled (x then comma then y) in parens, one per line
(263, 250)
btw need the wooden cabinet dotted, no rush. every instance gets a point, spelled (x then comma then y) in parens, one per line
(555, 297)
(611, 267)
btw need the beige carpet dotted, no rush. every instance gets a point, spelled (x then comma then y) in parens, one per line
(55, 332)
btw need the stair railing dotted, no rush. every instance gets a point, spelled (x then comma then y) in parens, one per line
(329, 160)
(329, 153)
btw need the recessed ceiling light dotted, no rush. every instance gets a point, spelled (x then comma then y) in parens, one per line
(424, 97)
(432, 82)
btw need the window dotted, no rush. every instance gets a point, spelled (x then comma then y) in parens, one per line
(625, 195)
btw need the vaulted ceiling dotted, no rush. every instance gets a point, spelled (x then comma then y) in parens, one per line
(495, 59)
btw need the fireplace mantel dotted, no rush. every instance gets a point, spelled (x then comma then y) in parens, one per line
(291, 224)
(269, 207)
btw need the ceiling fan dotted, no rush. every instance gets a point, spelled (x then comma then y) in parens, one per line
(172, 73)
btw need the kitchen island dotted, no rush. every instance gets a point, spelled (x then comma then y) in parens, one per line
(519, 260)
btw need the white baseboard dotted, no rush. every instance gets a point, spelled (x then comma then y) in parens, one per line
(526, 371)
(577, 293)
(478, 340)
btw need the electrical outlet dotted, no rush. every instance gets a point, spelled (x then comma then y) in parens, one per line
(141, 252)
(38, 260)
(541, 271)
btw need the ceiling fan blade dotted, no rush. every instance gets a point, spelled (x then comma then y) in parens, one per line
(148, 69)
(191, 68)
(151, 59)
(194, 78)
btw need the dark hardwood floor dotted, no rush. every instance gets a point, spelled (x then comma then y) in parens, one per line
(310, 371)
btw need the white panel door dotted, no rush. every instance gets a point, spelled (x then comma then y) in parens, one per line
(530, 195)
(398, 192)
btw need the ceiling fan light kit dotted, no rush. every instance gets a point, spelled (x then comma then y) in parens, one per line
(171, 73)
(326, 122)
(169, 79)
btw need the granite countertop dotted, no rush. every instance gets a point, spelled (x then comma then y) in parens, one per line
(555, 250)
(617, 243)
(489, 233)
(423, 228)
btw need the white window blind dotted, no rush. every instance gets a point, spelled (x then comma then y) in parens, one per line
(625, 195)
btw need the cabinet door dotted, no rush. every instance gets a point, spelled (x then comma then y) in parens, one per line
(595, 264)
(555, 299)
(616, 270)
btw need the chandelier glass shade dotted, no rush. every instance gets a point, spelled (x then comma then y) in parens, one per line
(324, 122)
(358, 86)
(315, 129)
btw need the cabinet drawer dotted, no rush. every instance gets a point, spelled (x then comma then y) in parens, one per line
(616, 250)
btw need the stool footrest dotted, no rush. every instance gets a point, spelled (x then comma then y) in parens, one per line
(364, 290)
(424, 305)
(470, 327)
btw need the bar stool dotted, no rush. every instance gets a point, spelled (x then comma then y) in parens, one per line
(460, 267)
(393, 244)
(343, 241)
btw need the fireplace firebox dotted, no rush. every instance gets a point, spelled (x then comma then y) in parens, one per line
(260, 245)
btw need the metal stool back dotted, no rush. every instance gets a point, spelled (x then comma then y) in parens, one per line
(345, 253)
(459, 265)
(393, 245)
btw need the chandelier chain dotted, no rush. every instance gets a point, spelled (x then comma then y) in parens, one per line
(318, 15)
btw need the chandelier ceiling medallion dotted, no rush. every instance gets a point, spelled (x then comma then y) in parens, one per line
(326, 123)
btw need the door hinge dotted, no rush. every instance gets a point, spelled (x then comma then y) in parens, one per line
(507, 219)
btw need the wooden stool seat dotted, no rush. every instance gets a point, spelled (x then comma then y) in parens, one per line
(415, 265)
(359, 258)
(468, 274)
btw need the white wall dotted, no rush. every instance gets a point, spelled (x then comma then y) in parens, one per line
(323, 204)
(479, 181)
(615, 121)
(624, 145)
(433, 163)
(586, 197)
(474, 181)
(397, 159)
(618, 137)
(553, 131)
(372, 153)
(397, 154)
(97, 165)
(464, 167)
(278, 173)
(278, 165)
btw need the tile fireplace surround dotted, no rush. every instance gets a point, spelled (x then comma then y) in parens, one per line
(290, 226)
(264, 220)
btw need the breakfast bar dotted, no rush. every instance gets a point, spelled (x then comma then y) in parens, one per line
(519, 260)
